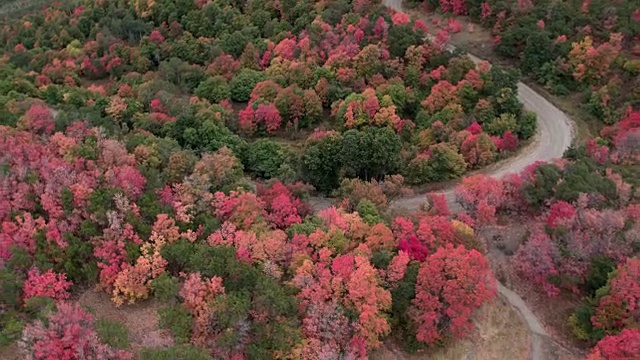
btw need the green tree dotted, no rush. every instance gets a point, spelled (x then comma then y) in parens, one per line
(264, 158)
(321, 163)
(527, 125)
(537, 52)
(243, 83)
(400, 38)
(214, 89)
(445, 163)
(371, 153)
(505, 122)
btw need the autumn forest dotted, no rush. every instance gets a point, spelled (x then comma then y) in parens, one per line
(281, 179)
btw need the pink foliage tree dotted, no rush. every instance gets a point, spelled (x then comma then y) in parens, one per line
(47, 284)
(38, 119)
(264, 116)
(68, 334)
(625, 345)
(451, 285)
(282, 206)
(414, 248)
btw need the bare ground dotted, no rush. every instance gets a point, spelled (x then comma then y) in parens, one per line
(499, 333)
(140, 319)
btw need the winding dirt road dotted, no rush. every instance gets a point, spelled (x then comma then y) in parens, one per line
(554, 136)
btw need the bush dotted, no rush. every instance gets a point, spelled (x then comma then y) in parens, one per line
(38, 307)
(243, 83)
(112, 333)
(580, 323)
(214, 89)
(10, 289)
(598, 273)
(404, 328)
(165, 287)
(11, 330)
(265, 158)
(443, 163)
(418, 170)
(179, 322)
(527, 125)
(498, 126)
(368, 212)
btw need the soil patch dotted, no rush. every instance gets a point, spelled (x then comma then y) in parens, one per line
(499, 333)
(141, 319)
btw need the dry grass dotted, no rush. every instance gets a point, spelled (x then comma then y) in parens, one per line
(141, 319)
(11, 352)
(499, 333)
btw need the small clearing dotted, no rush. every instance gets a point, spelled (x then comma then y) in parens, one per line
(141, 319)
(499, 333)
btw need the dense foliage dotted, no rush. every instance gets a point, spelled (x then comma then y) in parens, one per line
(129, 133)
(588, 46)
(274, 279)
(153, 148)
(210, 74)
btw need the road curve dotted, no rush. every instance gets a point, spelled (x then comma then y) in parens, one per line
(554, 136)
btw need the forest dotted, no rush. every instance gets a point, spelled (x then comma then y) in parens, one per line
(168, 154)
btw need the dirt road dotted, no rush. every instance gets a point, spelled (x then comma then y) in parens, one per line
(554, 136)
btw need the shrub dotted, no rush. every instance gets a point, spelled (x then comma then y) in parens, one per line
(443, 163)
(39, 307)
(11, 330)
(179, 322)
(404, 329)
(418, 170)
(165, 287)
(112, 333)
(10, 289)
(527, 125)
(368, 212)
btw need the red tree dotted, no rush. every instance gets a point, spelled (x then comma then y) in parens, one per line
(621, 307)
(414, 247)
(38, 119)
(451, 285)
(509, 141)
(69, 335)
(48, 284)
(624, 346)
